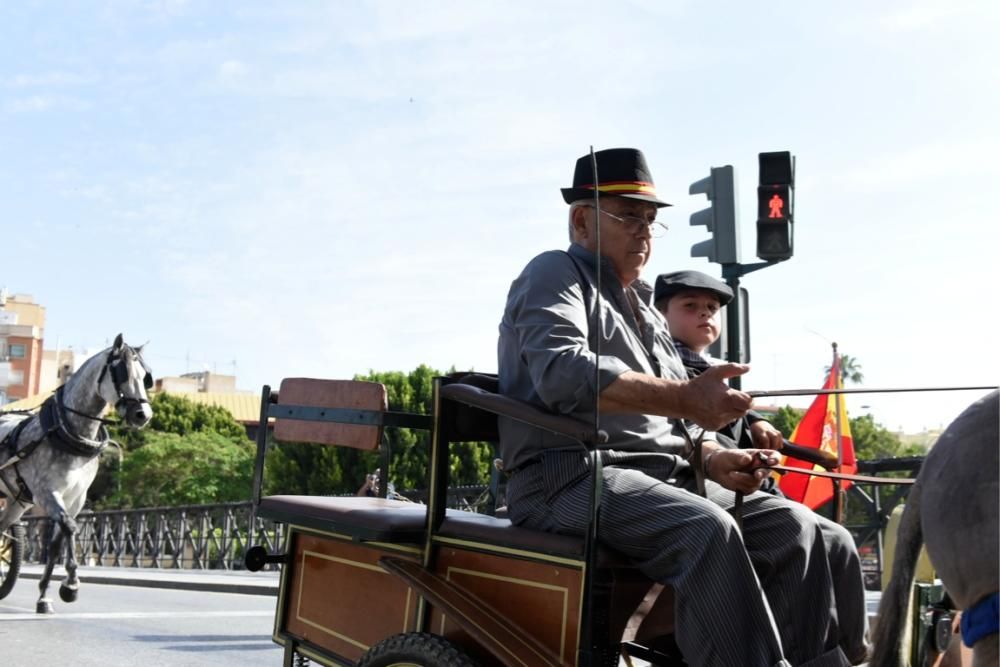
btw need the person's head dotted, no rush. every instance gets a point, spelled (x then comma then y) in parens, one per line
(690, 302)
(628, 206)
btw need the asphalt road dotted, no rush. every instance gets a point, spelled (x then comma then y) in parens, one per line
(131, 625)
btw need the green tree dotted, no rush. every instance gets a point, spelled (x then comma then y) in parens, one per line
(874, 441)
(197, 468)
(850, 370)
(172, 414)
(469, 462)
(787, 419)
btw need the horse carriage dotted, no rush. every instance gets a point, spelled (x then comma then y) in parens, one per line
(50, 458)
(371, 581)
(374, 581)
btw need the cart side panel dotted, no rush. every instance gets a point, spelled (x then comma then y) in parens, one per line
(542, 598)
(339, 600)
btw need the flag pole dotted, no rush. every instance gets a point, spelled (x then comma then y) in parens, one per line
(838, 491)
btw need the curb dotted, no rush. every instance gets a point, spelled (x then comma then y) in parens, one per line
(243, 583)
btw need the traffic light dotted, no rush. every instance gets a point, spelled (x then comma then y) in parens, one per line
(775, 199)
(719, 217)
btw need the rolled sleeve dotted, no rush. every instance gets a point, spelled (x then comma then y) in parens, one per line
(547, 354)
(548, 316)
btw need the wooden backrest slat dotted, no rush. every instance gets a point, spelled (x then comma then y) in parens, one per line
(337, 395)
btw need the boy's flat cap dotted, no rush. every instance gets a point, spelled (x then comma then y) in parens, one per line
(668, 284)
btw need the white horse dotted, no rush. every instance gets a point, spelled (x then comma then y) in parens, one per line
(955, 508)
(50, 459)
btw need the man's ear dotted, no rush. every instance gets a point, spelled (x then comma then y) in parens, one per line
(579, 222)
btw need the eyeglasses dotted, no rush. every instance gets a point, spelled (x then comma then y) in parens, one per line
(634, 224)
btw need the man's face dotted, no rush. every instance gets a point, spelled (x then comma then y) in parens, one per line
(693, 318)
(627, 249)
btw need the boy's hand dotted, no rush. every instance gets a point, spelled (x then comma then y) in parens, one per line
(742, 470)
(710, 403)
(765, 436)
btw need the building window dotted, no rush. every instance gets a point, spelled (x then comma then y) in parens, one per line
(15, 378)
(17, 351)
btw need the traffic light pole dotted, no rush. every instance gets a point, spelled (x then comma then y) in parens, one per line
(734, 312)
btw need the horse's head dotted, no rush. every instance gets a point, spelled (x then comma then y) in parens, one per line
(124, 381)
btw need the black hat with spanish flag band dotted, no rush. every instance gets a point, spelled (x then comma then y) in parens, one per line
(622, 172)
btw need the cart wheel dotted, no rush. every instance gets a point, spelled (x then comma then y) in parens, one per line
(11, 551)
(415, 649)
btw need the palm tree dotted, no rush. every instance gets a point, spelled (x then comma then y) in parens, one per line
(850, 370)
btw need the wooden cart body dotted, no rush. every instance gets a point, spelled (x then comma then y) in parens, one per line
(356, 570)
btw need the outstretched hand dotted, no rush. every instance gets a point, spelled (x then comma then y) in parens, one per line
(742, 470)
(709, 401)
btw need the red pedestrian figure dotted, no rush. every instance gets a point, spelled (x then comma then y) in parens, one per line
(776, 203)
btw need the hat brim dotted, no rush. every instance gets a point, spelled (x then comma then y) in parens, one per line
(571, 195)
(673, 290)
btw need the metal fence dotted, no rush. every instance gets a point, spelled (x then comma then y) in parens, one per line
(199, 537)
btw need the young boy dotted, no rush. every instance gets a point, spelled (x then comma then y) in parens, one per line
(690, 302)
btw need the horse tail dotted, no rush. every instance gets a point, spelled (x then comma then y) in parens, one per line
(891, 628)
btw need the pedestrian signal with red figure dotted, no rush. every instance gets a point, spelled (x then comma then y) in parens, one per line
(775, 193)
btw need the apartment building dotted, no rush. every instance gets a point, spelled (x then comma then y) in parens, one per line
(22, 327)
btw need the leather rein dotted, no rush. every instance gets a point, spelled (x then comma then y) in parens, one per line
(864, 479)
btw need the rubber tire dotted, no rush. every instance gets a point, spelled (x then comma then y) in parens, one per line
(415, 649)
(11, 553)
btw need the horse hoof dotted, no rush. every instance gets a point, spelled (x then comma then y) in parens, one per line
(68, 594)
(44, 606)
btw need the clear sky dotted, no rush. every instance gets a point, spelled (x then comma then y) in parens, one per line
(324, 188)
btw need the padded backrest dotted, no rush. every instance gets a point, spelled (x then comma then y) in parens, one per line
(335, 395)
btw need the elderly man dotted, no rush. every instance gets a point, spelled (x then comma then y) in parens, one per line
(765, 597)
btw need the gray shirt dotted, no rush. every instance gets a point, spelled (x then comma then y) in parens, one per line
(546, 354)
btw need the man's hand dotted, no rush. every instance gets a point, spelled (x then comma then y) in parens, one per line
(742, 470)
(765, 436)
(708, 400)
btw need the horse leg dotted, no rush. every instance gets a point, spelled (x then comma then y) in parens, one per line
(70, 587)
(44, 604)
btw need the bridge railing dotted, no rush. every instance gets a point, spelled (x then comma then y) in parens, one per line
(199, 537)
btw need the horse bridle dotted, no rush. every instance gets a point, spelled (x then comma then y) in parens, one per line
(116, 366)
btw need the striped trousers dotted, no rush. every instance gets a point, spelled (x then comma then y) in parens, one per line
(776, 594)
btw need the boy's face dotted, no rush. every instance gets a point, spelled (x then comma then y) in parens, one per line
(693, 318)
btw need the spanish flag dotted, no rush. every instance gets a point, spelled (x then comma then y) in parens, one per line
(818, 428)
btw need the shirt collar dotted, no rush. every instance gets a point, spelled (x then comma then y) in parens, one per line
(642, 289)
